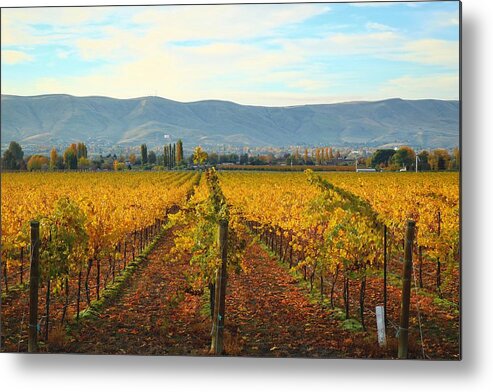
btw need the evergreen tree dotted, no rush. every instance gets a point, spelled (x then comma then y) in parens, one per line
(152, 157)
(13, 157)
(70, 157)
(404, 157)
(143, 153)
(165, 156)
(382, 157)
(179, 152)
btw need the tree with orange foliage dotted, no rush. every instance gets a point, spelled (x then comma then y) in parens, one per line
(36, 162)
(53, 158)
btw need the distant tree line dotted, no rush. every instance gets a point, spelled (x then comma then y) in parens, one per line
(315, 156)
(405, 157)
(172, 156)
(75, 157)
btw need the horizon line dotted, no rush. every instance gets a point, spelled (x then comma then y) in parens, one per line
(229, 101)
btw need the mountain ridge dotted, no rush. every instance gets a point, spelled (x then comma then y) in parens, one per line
(64, 118)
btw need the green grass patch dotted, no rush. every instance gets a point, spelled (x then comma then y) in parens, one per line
(352, 325)
(339, 314)
(13, 290)
(447, 305)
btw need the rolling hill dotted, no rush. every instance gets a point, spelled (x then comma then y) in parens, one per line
(56, 119)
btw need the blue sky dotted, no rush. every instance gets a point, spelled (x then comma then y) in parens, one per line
(280, 54)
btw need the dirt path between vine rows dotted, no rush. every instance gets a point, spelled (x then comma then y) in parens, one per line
(154, 315)
(267, 314)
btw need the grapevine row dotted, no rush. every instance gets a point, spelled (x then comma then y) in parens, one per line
(333, 233)
(92, 226)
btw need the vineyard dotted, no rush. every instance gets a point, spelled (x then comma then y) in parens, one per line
(338, 230)
(275, 263)
(92, 226)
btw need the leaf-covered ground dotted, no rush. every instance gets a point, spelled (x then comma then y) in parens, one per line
(154, 316)
(268, 313)
(273, 316)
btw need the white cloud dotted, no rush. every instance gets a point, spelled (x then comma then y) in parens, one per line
(310, 85)
(379, 27)
(386, 45)
(147, 53)
(224, 22)
(244, 72)
(224, 70)
(431, 52)
(221, 24)
(18, 23)
(443, 86)
(116, 44)
(361, 41)
(63, 54)
(375, 4)
(152, 26)
(59, 16)
(340, 44)
(442, 20)
(15, 57)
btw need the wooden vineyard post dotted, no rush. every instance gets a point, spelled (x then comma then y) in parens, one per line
(22, 265)
(438, 277)
(124, 254)
(32, 345)
(406, 291)
(79, 284)
(98, 277)
(420, 258)
(5, 279)
(291, 253)
(217, 344)
(280, 245)
(47, 309)
(385, 275)
(362, 298)
(141, 244)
